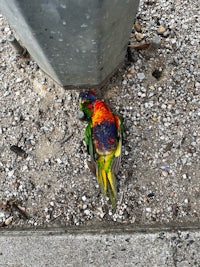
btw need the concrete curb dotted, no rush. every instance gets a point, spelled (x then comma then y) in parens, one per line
(120, 246)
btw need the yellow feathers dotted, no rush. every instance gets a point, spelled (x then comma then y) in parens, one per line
(106, 177)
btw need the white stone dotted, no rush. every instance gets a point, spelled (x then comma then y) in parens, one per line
(141, 75)
(84, 198)
(148, 209)
(184, 176)
(10, 173)
(87, 212)
(19, 80)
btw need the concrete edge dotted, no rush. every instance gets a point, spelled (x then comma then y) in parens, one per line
(102, 229)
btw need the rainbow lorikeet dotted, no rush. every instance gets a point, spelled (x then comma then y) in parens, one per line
(103, 136)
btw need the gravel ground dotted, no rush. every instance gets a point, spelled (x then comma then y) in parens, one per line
(157, 94)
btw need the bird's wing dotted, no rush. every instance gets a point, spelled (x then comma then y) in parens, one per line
(117, 155)
(89, 142)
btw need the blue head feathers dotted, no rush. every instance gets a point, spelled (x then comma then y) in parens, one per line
(88, 95)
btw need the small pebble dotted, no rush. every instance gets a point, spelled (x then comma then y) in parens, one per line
(10, 173)
(80, 115)
(148, 209)
(7, 93)
(141, 75)
(19, 80)
(184, 176)
(161, 29)
(155, 119)
(132, 71)
(137, 26)
(8, 220)
(84, 206)
(87, 212)
(169, 208)
(59, 100)
(143, 95)
(165, 173)
(129, 76)
(59, 161)
(184, 26)
(155, 42)
(48, 216)
(139, 36)
(24, 168)
(6, 29)
(84, 198)
(163, 106)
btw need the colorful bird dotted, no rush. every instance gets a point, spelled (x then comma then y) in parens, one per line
(103, 136)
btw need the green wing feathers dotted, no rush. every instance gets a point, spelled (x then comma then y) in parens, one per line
(89, 141)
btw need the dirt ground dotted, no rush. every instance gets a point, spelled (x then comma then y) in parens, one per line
(157, 94)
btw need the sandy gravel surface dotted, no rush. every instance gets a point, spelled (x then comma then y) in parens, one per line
(158, 95)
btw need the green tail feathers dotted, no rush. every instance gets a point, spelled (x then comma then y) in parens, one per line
(106, 177)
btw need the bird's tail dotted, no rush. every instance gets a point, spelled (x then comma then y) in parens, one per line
(106, 177)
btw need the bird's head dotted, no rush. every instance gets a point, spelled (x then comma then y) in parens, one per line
(87, 99)
(87, 96)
